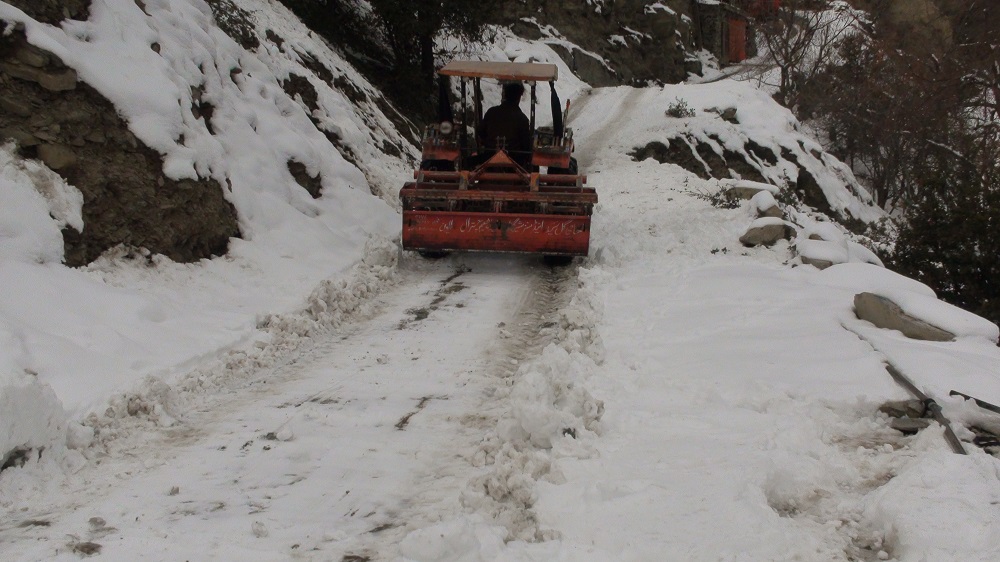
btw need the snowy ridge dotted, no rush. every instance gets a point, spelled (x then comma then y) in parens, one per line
(761, 121)
(160, 403)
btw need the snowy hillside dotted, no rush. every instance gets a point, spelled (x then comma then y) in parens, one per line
(91, 333)
(317, 394)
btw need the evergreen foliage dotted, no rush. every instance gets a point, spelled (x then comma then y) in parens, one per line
(950, 239)
(920, 120)
(410, 29)
(393, 42)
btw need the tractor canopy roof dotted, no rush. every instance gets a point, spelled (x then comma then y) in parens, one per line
(527, 71)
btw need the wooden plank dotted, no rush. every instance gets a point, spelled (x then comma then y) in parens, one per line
(935, 409)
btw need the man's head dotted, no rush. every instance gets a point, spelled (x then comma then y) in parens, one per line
(512, 91)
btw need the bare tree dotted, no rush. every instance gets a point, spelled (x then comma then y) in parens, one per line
(802, 38)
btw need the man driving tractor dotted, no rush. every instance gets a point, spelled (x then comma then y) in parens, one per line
(506, 127)
(514, 188)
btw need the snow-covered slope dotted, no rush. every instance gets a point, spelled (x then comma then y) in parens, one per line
(74, 338)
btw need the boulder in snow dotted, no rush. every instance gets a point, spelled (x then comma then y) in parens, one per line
(767, 231)
(726, 113)
(884, 313)
(765, 205)
(904, 408)
(825, 245)
(909, 426)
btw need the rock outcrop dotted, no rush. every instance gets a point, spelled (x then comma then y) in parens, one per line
(766, 232)
(638, 40)
(75, 131)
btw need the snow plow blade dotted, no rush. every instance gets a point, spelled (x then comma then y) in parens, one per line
(496, 232)
(498, 207)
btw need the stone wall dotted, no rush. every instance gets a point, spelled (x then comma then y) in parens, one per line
(79, 134)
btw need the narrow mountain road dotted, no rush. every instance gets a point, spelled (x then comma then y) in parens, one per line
(595, 128)
(334, 456)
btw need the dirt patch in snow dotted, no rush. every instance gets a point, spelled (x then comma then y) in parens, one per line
(448, 288)
(405, 420)
(237, 23)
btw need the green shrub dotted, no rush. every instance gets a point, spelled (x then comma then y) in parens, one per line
(679, 109)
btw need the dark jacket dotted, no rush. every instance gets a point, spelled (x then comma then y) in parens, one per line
(507, 123)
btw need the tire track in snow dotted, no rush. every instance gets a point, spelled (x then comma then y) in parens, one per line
(532, 325)
(538, 399)
(579, 104)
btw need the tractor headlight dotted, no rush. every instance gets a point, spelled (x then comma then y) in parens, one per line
(447, 127)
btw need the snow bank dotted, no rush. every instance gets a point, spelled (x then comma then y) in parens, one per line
(35, 205)
(276, 336)
(460, 540)
(964, 488)
(550, 414)
(31, 413)
(548, 403)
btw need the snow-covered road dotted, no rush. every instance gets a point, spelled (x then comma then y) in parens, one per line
(332, 455)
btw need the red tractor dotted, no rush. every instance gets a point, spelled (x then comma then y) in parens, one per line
(468, 198)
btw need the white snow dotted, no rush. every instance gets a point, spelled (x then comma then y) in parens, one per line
(764, 187)
(35, 204)
(316, 395)
(763, 201)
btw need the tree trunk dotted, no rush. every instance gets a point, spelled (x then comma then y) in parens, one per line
(427, 61)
